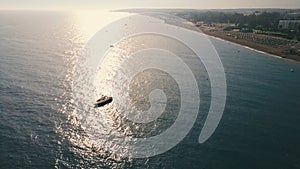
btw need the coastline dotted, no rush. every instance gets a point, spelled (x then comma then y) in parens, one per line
(260, 48)
(280, 49)
(247, 47)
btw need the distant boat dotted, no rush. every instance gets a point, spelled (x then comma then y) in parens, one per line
(103, 101)
(292, 70)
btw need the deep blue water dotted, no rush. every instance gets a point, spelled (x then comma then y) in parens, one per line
(259, 129)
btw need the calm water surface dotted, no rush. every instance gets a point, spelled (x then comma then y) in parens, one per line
(39, 107)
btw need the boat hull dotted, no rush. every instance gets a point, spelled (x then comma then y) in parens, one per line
(104, 102)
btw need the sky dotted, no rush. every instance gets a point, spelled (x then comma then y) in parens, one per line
(123, 4)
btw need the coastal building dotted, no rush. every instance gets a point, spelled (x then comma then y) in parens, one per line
(289, 24)
(292, 16)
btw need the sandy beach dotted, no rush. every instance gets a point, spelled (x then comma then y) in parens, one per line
(278, 47)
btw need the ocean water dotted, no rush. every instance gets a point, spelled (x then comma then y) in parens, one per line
(40, 111)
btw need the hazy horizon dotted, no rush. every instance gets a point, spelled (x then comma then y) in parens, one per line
(126, 4)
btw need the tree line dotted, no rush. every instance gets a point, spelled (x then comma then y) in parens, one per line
(262, 21)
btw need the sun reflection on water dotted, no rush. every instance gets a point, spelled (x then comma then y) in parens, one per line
(109, 122)
(82, 26)
(89, 22)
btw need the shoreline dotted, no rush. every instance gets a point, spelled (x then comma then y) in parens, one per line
(274, 50)
(253, 49)
(247, 47)
(260, 48)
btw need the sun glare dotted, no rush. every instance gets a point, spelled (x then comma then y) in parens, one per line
(90, 22)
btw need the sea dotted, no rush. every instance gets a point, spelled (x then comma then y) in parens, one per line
(47, 118)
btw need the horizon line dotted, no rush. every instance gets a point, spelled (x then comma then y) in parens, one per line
(142, 8)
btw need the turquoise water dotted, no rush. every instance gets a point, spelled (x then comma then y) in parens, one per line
(38, 127)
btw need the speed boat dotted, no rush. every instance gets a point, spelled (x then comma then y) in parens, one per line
(103, 101)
